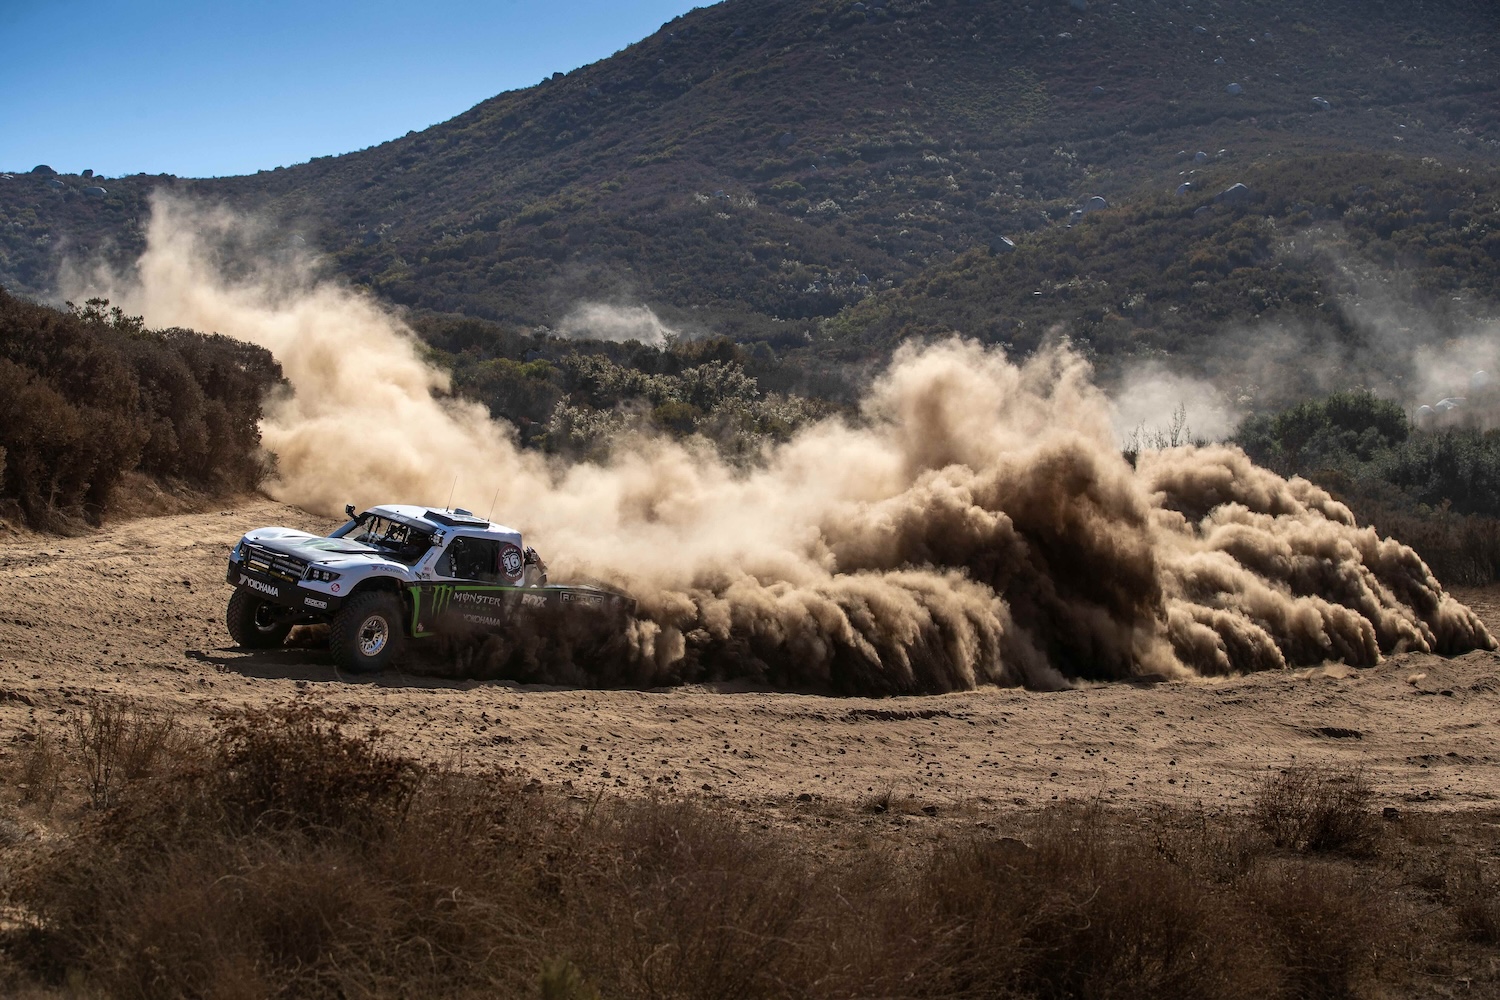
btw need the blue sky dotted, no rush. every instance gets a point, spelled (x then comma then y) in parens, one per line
(209, 89)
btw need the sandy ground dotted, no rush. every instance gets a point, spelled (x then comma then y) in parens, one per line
(137, 610)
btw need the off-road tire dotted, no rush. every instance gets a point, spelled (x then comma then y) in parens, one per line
(255, 623)
(366, 633)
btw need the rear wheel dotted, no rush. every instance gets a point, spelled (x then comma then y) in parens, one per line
(255, 623)
(366, 633)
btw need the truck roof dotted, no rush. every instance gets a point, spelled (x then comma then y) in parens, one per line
(447, 520)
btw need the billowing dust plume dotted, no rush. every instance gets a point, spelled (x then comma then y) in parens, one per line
(603, 321)
(977, 525)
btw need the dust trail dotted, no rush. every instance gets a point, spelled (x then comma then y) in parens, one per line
(602, 321)
(978, 525)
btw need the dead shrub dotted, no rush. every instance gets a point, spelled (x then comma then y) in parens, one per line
(294, 765)
(679, 900)
(1085, 910)
(1311, 807)
(40, 776)
(1476, 906)
(1327, 927)
(118, 742)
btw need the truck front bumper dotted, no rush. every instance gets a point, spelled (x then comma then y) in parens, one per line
(288, 594)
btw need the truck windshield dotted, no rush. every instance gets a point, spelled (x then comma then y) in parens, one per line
(404, 542)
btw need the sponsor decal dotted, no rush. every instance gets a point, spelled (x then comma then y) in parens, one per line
(533, 601)
(334, 587)
(511, 561)
(591, 599)
(470, 597)
(485, 620)
(254, 584)
(313, 602)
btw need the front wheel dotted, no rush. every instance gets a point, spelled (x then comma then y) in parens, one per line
(255, 623)
(366, 633)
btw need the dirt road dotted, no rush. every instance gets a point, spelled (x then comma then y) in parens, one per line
(137, 610)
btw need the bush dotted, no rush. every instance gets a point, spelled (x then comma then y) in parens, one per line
(1309, 807)
(90, 395)
(286, 853)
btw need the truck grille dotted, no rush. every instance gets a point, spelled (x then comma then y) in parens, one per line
(274, 563)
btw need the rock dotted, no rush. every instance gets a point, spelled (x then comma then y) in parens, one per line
(1234, 89)
(1390, 814)
(1200, 157)
(1219, 61)
(785, 139)
(1199, 30)
(55, 184)
(43, 170)
(999, 246)
(1094, 204)
(1184, 188)
(1235, 194)
(95, 192)
(1321, 104)
(1097, 92)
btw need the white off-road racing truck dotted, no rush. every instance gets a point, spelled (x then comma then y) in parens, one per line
(399, 572)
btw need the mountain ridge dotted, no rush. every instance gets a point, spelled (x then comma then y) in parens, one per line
(756, 169)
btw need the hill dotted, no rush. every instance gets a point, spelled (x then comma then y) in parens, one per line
(752, 168)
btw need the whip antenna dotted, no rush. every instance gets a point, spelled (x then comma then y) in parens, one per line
(492, 503)
(450, 492)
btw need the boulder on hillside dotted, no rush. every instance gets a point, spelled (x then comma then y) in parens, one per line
(1234, 89)
(1321, 104)
(95, 192)
(43, 170)
(1094, 204)
(999, 246)
(1185, 187)
(1200, 157)
(1234, 194)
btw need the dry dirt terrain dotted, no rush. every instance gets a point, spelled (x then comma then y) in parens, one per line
(136, 610)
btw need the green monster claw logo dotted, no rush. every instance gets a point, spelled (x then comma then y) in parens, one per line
(425, 614)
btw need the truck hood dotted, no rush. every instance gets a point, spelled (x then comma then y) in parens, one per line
(316, 548)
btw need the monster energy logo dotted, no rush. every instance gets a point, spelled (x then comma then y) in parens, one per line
(424, 613)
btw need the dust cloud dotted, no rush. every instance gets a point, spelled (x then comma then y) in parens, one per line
(603, 321)
(976, 525)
